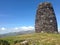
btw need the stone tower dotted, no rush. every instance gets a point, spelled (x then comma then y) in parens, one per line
(45, 19)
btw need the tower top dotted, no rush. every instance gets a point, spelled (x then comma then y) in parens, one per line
(44, 4)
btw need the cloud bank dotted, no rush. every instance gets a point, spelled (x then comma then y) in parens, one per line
(16, 29)
(23, 28)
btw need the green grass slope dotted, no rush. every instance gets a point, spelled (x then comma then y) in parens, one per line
(36, 38)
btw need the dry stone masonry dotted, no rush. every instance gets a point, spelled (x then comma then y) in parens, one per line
(45, 19)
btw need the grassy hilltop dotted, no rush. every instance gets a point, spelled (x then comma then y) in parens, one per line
(36, 38)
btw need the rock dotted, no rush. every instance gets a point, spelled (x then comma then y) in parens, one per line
(45, 19)
(24, 43)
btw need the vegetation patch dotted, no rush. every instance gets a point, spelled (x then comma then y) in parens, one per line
(32, 39)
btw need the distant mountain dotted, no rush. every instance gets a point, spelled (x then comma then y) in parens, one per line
(17, 33)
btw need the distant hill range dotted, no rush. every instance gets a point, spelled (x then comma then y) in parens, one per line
(17, 33)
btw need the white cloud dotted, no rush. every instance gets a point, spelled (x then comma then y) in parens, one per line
(59, 29)
(23, 28)
(16, 29)
(3, 28)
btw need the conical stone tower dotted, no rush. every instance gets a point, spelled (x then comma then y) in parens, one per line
(45, 19)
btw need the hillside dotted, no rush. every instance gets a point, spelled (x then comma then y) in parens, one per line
(33, 39)
(17, 33)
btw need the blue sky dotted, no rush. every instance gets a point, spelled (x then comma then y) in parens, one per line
(17, 14)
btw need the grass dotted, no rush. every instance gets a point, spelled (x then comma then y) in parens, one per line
(36, 38)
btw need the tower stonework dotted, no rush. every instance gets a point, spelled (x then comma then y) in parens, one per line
(45, 19)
